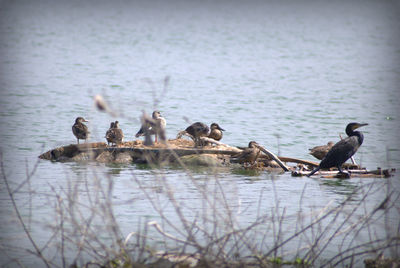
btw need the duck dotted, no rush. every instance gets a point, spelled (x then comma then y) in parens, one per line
(319, 152)
(197, 130)
(118, 135)
(80, 130)
(109, 134)
(155, 128)
(114, 134)
(248, 155)
(216, 132)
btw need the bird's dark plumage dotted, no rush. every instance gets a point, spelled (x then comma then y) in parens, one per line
(197, 130)
(80, 130)
(319, 152)
(343, 149)
(216, 132)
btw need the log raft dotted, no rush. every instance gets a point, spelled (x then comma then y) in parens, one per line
(359, 173)
(183, 151)
(136, 152)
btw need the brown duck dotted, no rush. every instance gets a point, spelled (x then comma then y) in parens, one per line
(80, 130)
(114, 134)
(248, 155)
(108, 133)
(216, 132)
(319, 152)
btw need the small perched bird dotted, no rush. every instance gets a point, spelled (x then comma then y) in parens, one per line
(114, 134)
(248, 155)
(319, 152)
(342, 150)
(216, 132)
(118, 134)
(109, 134)
(157, 127)
(80, 130)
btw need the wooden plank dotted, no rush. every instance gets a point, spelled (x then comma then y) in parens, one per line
(297, 160)
(274, 157)
(364, 173)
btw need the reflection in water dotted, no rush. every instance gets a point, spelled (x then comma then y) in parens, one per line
(246, 172)
(116, 169)
(345, 189)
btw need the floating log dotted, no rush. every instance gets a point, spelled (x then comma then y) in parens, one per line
(274, 157)
(70, 151)
(132, 152)
(136, 152)
(299, 161)
(206, 139)
(364, 173)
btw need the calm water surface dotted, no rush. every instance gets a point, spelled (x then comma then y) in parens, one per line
(289, 75)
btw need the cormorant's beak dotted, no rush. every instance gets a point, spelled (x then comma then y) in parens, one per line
(221, 128)
(360, 125)
(84, 120)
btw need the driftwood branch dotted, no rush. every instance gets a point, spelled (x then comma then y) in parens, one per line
(206, 139)
(299, 161)
(274, 157)
(385, 173)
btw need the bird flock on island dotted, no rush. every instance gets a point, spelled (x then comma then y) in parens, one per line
(331, 155)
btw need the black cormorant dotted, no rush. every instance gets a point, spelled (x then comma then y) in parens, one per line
(80, 130)
(343, 149)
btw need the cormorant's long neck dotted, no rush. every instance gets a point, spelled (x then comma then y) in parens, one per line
(359, 135)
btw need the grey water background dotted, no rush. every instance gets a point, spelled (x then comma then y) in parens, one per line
(287, 74)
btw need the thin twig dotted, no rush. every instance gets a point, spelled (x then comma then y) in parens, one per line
(21, 221)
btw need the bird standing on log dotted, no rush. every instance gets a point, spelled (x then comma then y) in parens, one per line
(319, 152)
(109, 134)
(216, 132)
(248, 155)
(343, 149)
(116, 134)
(153, 128)
(80, 130)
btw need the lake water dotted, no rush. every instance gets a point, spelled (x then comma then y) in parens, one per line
(289, 75)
